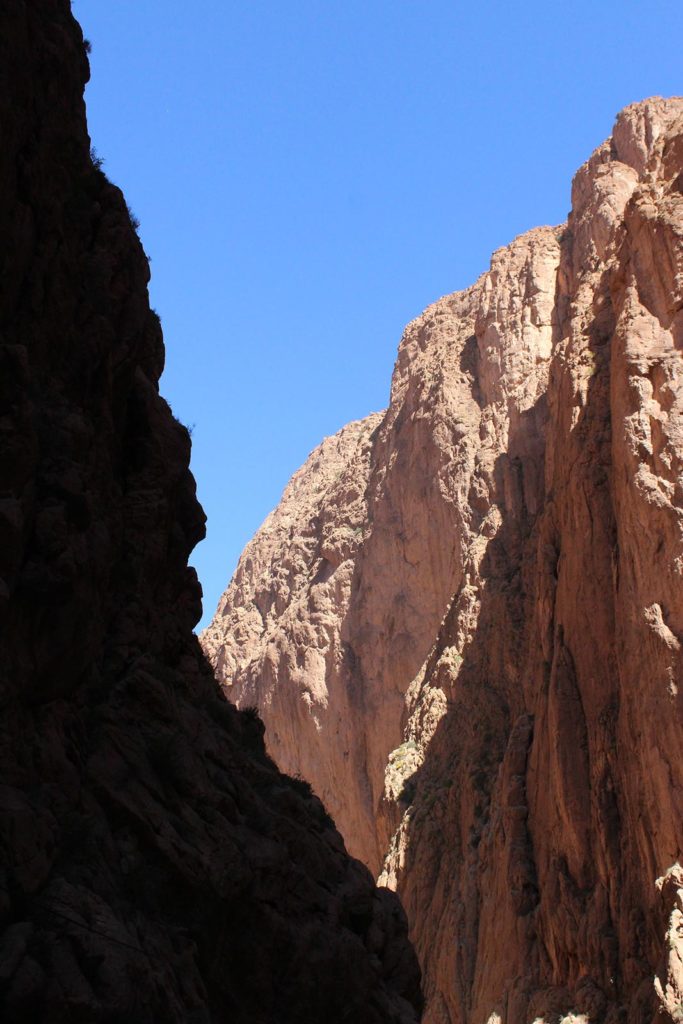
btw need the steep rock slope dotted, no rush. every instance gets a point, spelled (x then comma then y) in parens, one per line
(513, 628)
(154, 865)
(282, 639)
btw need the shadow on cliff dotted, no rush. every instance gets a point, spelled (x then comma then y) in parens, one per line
(467, 846)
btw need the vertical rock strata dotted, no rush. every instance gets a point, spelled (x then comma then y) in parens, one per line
(498, 641)
(154, 865)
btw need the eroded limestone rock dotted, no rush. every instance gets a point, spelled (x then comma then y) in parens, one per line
(512, 606)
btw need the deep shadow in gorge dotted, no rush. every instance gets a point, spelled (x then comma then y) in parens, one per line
(154, 863)
(486, 723)
(516, 847)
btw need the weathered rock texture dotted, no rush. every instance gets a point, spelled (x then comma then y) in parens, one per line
(154, 865)
(479, 599)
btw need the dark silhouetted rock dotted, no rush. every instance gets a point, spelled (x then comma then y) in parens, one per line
(154, 865)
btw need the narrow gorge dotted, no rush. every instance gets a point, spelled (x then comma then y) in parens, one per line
(463, 624)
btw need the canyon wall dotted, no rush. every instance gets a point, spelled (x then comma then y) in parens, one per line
(154, 864)
(464, 622)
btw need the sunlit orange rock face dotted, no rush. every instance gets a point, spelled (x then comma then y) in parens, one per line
(464, 622)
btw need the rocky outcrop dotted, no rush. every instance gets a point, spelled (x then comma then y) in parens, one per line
(505, 628)
(154, 864)
(282, 637)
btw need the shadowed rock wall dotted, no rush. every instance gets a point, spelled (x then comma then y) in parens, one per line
(154, 865)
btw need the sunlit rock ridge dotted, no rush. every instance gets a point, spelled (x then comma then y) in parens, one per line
(463, 624)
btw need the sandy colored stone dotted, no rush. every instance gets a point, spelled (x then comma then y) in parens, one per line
(507, 628)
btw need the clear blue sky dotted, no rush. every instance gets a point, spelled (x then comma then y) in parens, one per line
(309, 175)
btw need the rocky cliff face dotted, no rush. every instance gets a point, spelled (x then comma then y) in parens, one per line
(464, 623)
(154, 865)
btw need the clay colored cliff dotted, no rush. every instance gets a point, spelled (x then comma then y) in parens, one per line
(464, 622)
(154, 865)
